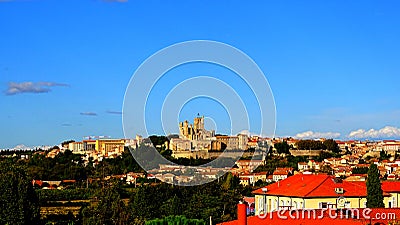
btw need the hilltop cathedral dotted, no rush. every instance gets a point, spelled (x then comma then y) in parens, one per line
(195, 132)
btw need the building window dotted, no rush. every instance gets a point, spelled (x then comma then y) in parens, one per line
(323, 205)
(260, 205)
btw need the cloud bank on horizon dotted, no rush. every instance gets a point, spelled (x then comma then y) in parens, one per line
(31, 87)
(314, 135)
(386, 132)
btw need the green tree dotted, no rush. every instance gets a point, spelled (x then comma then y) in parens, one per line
(331, 145)
(172, 206)
(282, 147)
(374, 189)
(383, 155)
(175, 220)
(109, 209)
(324, 155)
(310, 145)
(326, 169)
(19, 203)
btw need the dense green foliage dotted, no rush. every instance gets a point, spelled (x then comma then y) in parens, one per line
(271, 163)
(108, 209)
(310, 145)
(215, 199)
(64, 195)
(374, 189)
(64, 166)
(383, 155)
(328, 144)
(324, 155)
(175, 220)
(19, 203)
(331, 145)
(282, 147)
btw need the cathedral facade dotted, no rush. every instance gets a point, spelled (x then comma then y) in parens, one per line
(195, 131)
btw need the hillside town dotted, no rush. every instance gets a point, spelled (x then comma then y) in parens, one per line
(350, 160)
(272, 174)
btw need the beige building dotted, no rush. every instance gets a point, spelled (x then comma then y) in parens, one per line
(76, 147)
(110, 146)
(228, 142)
(243, 139)
(105, 146)
(178, 144)
(247, 166)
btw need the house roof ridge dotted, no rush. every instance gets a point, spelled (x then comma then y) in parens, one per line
(319, 185)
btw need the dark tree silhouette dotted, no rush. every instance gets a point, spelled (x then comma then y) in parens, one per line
(374, 189)
(19, 203)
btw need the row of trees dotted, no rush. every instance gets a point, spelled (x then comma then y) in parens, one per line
(328, 144)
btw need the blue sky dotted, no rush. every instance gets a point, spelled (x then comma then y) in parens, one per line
(333, 66)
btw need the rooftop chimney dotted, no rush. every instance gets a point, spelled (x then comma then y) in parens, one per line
(242, 214)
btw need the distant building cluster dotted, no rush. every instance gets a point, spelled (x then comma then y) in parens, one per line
(195, 141)
(97, 148)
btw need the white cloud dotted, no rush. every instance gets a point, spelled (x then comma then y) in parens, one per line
(246, 132)
(315, 135)
(385, 132)
(31, 87)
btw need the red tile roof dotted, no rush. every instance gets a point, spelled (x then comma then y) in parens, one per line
(391, 186)
(312, 186)
(249, 200)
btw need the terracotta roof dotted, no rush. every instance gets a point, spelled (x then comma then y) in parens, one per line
(261, 173)
(312, 186)
(69, 181)
(37, 182)
(391, 186)
(249, 200)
